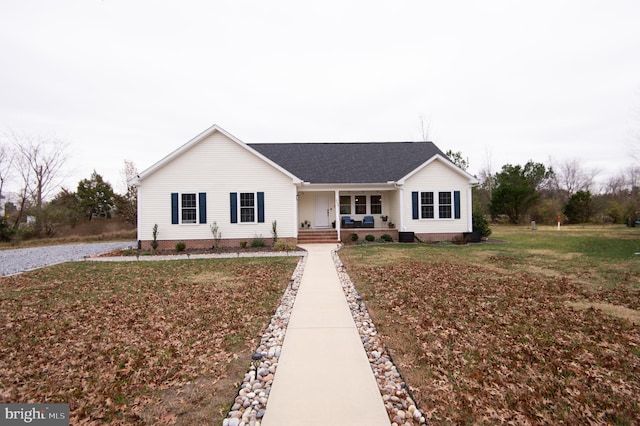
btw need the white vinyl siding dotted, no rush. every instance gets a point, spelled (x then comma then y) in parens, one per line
(218, 166)
(437, 178)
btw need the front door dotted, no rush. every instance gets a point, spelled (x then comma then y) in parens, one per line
(322, 211)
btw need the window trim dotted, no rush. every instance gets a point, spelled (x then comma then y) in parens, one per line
(182, 208)
(450, 204)
(345, 205)
(371, 204)
(255, 208)
(357, 198)
(432, 205)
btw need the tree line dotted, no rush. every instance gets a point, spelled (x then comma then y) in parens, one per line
(35, 165)
(546, 193)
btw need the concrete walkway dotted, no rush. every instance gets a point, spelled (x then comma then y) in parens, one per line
(323, 376)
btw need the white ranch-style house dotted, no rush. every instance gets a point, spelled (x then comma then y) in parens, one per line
(312, 191)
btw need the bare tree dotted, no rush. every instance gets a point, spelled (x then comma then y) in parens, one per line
(571, 177)
(616, 184)
(6, 165)
(128, 173)
(127, 204)
(39, 162)
(486, 173)
(425, 127)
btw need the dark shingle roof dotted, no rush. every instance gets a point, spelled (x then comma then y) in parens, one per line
(372, 162)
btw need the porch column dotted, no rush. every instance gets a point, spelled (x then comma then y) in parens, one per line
(295, 211)
(336, 208)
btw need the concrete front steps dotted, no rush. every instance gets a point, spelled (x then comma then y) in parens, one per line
(317, 236)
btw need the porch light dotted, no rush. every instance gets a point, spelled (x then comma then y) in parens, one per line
(256, 360)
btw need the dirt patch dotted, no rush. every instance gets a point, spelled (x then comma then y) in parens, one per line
(554, 254)
(614, 310)
(199, 401)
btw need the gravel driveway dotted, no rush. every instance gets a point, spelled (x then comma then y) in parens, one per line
(26, 259)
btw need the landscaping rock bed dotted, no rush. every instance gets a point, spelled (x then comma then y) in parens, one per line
(251, 401)
(400, 406)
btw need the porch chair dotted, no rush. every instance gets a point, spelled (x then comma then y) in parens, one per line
(347, 222)
(367, 222)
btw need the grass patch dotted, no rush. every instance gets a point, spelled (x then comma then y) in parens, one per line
(136, 342)
(531, 331)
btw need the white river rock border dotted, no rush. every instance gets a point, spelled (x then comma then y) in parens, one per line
(250, 403)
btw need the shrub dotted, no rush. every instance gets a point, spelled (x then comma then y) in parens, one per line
(370, 238)
(274, 230)
(154, 232)
(257, 242)
(6, 230)
(243, 244)
(481, 225)
(354, 237)
(217, 235)
(284, 245)
(386, 237)
(27, 232)
(180, 246)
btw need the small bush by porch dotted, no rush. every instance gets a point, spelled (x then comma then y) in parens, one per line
(345, 234)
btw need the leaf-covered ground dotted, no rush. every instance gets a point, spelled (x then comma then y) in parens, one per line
(489, 344)
(139, 342)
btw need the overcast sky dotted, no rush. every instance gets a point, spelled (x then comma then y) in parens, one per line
(501, 81)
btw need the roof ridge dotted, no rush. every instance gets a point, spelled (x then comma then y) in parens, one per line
(336, 143)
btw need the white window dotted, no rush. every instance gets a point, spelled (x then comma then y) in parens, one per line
(376, 204)
(432, 207)
(247, 207)
(426, 205)
(189, 208)
(345, 204)
(361, 204)
(444, 205)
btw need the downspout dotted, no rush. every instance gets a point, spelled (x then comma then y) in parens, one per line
(470, 208)
(402, 227)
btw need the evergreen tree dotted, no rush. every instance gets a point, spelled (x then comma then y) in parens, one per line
(579, 207)
(516, 189)
(96, 196)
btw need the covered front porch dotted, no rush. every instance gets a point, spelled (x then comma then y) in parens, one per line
(348, 210)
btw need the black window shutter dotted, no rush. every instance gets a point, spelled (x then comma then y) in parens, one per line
(233, 201)
(174, 208)
(202, 206)
(414, 204)
(260, 207)
(456, 204)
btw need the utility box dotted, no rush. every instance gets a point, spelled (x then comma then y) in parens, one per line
(406, 237)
